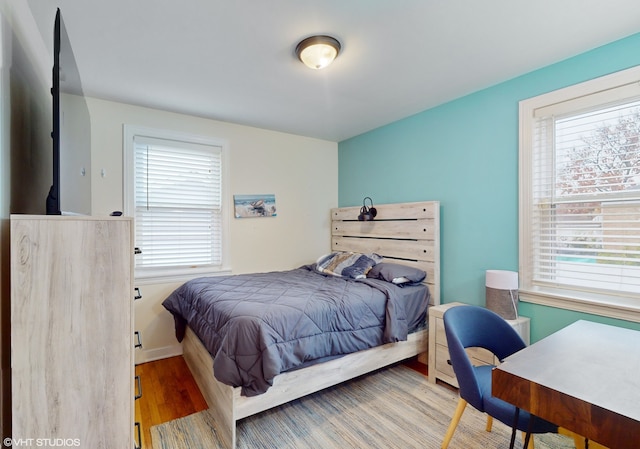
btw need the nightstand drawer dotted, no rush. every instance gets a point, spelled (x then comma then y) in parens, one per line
(480, 356)
(443, 370)
(442, 361)
(439, 366)
(441, 336)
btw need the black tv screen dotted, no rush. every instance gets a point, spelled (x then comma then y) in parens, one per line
(70, 191)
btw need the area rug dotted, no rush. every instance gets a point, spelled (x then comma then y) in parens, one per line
(393, 408)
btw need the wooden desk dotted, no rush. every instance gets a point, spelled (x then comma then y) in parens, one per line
(585, 377)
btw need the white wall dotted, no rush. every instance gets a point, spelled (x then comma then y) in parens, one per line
(75, 150)
(301, 172)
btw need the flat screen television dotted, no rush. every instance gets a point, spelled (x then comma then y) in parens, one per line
(70, 191)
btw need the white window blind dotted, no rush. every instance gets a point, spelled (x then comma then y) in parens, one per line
(178, 203)
(583, 199)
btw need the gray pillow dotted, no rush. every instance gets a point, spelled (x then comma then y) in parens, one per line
(396, 273)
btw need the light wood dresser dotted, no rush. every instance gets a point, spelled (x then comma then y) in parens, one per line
(72, 331)
(439, 365)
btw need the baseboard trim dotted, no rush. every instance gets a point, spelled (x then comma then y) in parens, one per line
(151, 355)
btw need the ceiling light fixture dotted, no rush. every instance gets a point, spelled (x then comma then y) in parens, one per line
(317, 52)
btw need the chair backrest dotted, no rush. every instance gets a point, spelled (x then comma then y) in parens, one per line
(473, 326)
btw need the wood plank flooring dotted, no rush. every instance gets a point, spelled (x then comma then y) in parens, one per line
(170, 392)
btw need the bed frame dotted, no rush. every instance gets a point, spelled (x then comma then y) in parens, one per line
(407, 233)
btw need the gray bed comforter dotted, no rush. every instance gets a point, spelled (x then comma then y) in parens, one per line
(257, 326)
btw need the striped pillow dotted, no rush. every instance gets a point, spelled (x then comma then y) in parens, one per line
(347, 264)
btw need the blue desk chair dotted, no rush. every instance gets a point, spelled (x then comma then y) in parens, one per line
(472, 326)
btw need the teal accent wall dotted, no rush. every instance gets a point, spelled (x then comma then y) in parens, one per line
(465, 154)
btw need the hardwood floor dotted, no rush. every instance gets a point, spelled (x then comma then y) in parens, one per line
(170, 392)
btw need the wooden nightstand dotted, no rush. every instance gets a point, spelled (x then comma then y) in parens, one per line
(439, 366)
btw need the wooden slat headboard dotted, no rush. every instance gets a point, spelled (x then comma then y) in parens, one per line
(405, 233)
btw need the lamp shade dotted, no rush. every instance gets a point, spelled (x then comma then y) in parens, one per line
(502, 293)
(502, 280)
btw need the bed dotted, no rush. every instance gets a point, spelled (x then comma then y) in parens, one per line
(275, 372)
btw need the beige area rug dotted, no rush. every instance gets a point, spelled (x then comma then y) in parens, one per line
(393, 408)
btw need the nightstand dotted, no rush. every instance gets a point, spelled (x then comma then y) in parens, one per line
(439, 365)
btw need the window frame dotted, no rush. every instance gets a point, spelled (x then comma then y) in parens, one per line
(620, 306)
(175, 274)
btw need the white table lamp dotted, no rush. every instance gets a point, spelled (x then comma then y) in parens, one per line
(502, 293)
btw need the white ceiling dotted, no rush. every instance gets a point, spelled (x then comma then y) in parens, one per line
(233, 60)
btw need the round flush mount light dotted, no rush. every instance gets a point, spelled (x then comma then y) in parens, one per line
(317, 52)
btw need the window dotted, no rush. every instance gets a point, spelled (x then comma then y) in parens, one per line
(580, 197)
(175, 192)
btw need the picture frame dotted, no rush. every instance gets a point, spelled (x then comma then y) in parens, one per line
(255, 205)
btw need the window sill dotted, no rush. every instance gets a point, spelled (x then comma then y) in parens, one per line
(149, 277)
(612, 306)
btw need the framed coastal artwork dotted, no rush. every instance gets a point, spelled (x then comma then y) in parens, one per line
(247, 206)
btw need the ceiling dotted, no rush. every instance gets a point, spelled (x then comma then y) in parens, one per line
(233, 60)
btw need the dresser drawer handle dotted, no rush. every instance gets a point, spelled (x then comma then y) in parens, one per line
(138, 343)
(138, 294)
(139, 395)
(138, 444)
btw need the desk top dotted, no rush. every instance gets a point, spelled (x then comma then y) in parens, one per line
(595, 363)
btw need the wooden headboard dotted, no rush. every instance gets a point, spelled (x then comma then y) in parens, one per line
(405, 233)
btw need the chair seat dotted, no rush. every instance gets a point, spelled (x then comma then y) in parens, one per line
(505, 412)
